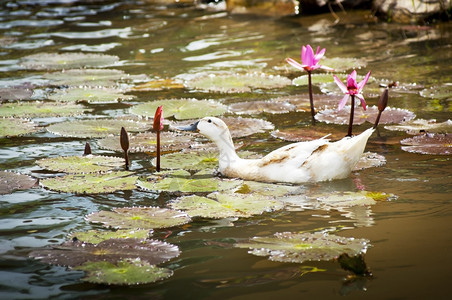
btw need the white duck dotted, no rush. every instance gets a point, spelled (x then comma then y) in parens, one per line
(317, 160)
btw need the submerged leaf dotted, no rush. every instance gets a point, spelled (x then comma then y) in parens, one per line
(370, 160)
(181, 109)
(91, 183)
(139, 217)
(241, 127)
(97, 236)
(91, 95)
(81, 164)
(76, 253)
(147, 142)
(123, 272)
(226, 205)
(10, 127)
(96, 127)
(69, 60)
(10, 182)
(429, 143)
(301, 247)
(41, 109)
(16, 93)
(237, 83)
(420, 125)
(183, 181)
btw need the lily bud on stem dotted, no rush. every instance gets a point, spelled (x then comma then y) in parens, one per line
(87, 149)
(124, 140)
(158, 126)
(382, 103)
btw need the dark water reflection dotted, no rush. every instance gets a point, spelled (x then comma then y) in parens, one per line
(411, 236)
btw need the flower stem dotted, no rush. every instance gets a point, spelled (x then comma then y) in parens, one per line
(158, 151)
(352, 113)
(311, 100)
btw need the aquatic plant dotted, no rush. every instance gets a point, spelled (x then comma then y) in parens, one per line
(309, 62)
(351, 90)
(158, 126)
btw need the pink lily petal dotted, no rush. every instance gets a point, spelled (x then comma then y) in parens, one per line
(326, 68)
(303, 53)
(343, 101)
(340, 84)
(309, 57)
(363, 82)
(295, 64)
(363, 101)
(320, 54)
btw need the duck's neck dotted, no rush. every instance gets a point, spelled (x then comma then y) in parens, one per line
(228, 155)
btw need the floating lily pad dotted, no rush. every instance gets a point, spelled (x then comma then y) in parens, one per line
(158, 85)
(183, 181)
(341, 200)
(241, 127)
(16, 93)
(307, 134)
(91, 95)
(76, 253)
(123, 272)
(91, 183)
(316, 79)
(41, 109)
(389, 116)
(97, 127)
(370, 160)
(237, 83)
(10, 182)
(301, 247)
(10, 127)
(419, 125)
(139, 217)
(57, 61)
(97, 236)
(429, 143)
(147, 142)
(81, 164)
(226, 205)
(302, 102)
(342, 64)
(90, 77)
(266, 189)
(181, 109)
(257, 107)
(438, 92)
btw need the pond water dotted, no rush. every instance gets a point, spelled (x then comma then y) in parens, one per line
(411, 238)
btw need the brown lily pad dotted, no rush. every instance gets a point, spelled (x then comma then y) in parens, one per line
(308, 134)
(429, 143)
(10, 182)
(421, 125)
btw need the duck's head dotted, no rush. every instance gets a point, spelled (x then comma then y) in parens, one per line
(211, 127)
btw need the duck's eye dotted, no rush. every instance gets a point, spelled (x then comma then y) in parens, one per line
(210, 121)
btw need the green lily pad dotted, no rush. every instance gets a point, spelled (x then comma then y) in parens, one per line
(302, 102)
(41, 109)
(147, 142)
(76, 253)
(10, 182)
(91, 183)
(226, 205)
(389, 116)
(257, 107)
(91, 95)
(57, 61)
(181, 109)
(345, 199)
(316, 79)
(301, 247)
(237, 83)
(266, 189)
(342, 64)
(370, 160)
(97, 236)
(90, 77)
(158, 85)
(81, 164)
(183, 181)
(420, 125)
(123, 272)
(429, 143)
(139, 217)
(438, 92)
(96, 128)
(10, 127)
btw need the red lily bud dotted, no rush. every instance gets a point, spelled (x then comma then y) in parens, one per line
(158, 119)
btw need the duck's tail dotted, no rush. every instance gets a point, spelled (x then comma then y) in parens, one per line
(353, 147)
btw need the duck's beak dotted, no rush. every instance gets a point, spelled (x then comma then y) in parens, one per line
(192, 127)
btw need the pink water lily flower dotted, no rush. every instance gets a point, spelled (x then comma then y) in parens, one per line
(352, 88)
(309, 60)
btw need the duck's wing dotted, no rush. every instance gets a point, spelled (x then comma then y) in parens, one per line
(291, 154)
